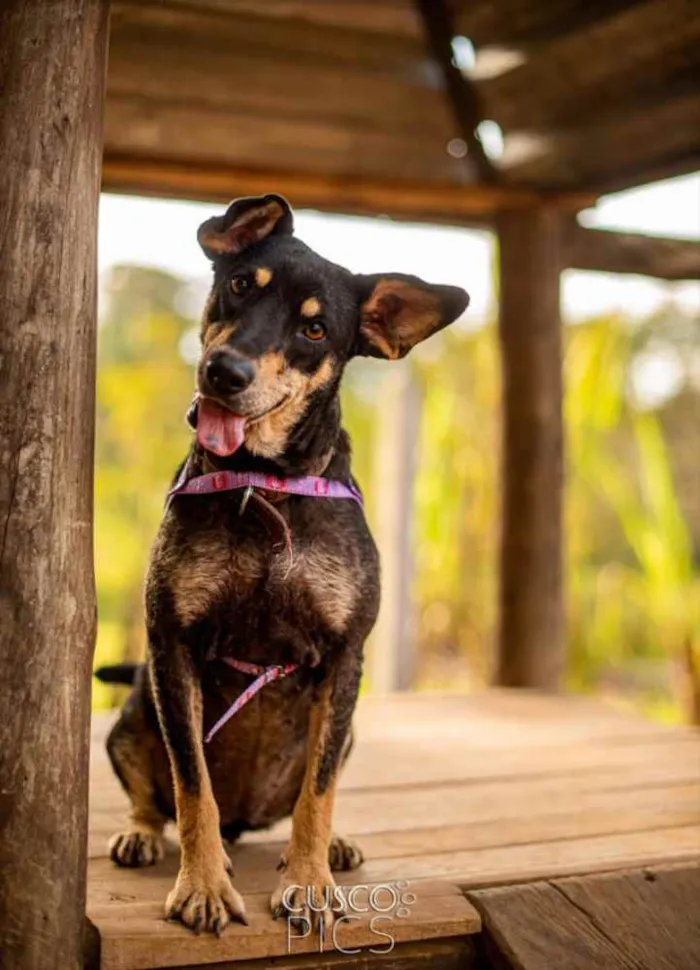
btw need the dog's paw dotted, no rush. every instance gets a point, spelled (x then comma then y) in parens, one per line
(136, 849)
(205, 903)
(306, 896)
(344, 855)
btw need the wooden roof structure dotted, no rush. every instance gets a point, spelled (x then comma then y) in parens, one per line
(349, 105)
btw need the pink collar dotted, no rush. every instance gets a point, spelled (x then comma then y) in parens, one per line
(225, 481)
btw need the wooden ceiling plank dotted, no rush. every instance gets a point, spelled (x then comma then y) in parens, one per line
(579, 75)
(205, 135)
(626, 92)
(349, 49)
(525, 24)
(161, 65)
(394, 17)
(597, 152)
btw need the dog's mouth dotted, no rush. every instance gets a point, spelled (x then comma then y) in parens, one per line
(220, 430)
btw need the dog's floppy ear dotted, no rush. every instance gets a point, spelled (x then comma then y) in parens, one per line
(397, 312)
(245, 222)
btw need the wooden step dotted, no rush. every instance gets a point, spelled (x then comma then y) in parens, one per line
(642, 919)
(133, 934)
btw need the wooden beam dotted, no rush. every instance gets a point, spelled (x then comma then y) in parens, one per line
(463, 95)
(419, 201)
(605, 251)
(392, 649)
(531, 628)
(52, 68)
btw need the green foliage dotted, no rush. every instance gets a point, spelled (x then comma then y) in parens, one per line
(456, 497)
(634, 590)
(143, 388)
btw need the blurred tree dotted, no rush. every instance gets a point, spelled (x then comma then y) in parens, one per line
(457, 503)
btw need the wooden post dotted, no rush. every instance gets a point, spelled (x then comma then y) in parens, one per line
(52, 69)
(392, 659)
(531, 629)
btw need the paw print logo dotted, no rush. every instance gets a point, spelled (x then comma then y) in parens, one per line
(405, 899)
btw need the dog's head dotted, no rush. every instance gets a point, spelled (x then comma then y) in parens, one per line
(281, 322)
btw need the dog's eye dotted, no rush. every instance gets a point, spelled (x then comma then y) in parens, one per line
(241, 284)
(314, 331)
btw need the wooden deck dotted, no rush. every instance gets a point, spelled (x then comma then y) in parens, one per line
(465, 799)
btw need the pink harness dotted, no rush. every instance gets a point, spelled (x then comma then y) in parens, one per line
(224, 481)
(264, 675)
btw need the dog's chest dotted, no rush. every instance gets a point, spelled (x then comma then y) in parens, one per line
(260, 583)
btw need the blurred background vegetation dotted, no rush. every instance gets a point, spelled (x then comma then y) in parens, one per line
(632, 500)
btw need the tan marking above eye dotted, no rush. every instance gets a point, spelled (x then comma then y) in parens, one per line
(310, 307)
(263, 275)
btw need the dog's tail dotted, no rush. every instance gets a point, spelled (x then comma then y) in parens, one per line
(118, 673)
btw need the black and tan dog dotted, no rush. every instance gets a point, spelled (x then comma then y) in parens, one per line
(279, 327)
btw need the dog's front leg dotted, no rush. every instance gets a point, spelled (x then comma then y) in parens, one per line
(306, 887)
(203, 897)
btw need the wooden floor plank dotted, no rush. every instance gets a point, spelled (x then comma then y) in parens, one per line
(476, 796)
(434, 747)
(256, 867)
(134, 935)
(634, 920)
(377, 764)
(445, 793)
(600, 813)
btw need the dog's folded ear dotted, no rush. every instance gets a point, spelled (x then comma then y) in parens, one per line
(397, 312)
(245, 222)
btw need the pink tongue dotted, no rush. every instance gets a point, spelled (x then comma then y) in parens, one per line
(219, 430)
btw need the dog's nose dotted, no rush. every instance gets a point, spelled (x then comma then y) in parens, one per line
(227, 374)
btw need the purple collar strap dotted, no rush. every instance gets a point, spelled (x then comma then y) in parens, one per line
(263, 675)
(226, 481)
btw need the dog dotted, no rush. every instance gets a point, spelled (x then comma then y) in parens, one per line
(261, 580)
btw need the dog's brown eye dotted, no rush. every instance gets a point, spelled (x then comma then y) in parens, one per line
(241, 284)
(314, 331)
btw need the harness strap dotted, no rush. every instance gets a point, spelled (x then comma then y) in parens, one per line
(263, 675)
